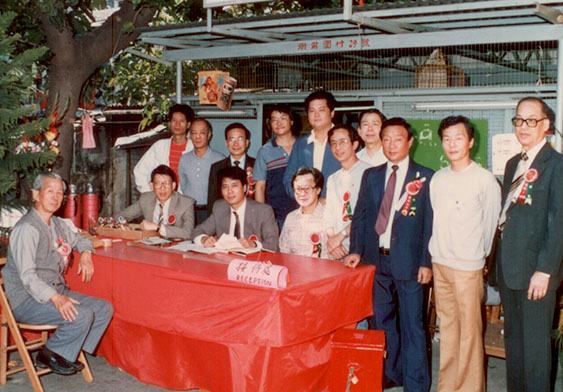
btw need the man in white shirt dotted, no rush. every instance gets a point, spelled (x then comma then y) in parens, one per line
(166, 151)
(369, 129)
(466, 203)
(342, 189)
(251, 222)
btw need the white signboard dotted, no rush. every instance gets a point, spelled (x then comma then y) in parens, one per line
(221, 3)
(504, 147)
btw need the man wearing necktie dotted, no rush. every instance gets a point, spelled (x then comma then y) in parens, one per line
(391, 227)
(163, 209)
(251, 222)
(237, 139)
(528, 265)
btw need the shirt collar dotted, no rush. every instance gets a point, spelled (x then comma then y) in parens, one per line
(403, 165)
(242, 161)
(535, 150)
(241, 210)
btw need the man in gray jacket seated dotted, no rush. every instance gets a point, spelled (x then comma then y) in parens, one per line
(163, 209)
(251, 222)
(38, 255)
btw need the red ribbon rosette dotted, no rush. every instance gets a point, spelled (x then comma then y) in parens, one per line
(171, 219)
(317, 246)
(63, 249)
(531, 175)
(412, 188)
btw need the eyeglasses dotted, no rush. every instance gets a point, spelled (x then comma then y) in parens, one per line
(163, 184)
(531, 122)
(304, 189)
(339, 142)
(239, 139)
(279, 119)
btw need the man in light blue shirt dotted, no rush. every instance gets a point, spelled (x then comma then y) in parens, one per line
(194, 166)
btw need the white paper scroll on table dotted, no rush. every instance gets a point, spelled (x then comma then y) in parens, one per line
(258, 273)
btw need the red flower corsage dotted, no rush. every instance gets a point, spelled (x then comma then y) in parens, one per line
(171, 219)
(412, 189)
(63, 249)
(525, 196)
(317, 246)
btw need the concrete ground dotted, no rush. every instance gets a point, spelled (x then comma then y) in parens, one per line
(110, 379)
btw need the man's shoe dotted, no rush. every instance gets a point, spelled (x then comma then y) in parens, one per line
(78, 366)
(50, 359)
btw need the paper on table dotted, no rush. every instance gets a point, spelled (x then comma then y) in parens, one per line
(154, 241)
(227, 242)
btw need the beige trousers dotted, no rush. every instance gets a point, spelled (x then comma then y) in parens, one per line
(459, 295)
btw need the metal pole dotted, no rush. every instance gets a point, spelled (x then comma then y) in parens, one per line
(558, 143)
(347, 9)
(178, 82)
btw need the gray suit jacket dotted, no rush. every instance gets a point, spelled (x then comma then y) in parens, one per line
(181, 206)
(258, 220)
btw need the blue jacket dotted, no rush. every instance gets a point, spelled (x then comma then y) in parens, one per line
(410, 234)
(302, 155)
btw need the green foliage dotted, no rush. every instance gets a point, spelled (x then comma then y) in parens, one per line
(24, 148)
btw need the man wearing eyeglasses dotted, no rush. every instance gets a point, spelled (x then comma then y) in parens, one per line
(528, 256)
(163, 209)
(342, 189)
(237, 139)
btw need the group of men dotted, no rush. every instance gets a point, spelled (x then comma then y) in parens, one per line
(380, 208)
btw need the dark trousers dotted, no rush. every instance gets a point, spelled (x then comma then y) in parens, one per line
(527, 338)
(398, 310)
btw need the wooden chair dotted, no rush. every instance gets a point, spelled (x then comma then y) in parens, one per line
(431, 313)
(494, 337)
(24, 346)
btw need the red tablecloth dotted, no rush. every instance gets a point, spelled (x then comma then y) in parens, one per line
(179, 323)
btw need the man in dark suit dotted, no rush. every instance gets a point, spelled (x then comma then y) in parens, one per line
(391, 227)
(163, 209)
(251, 222)
(237, 139)
(528, 257)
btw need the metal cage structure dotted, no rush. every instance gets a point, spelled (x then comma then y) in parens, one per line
(432, 55)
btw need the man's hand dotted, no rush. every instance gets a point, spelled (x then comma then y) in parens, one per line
(539, 282)
(209, 242)
(352, 260)
(424, 275)
(246, 243)
(147, 225)
(65, 306)
(334, 241)
(86, 266)
(338, 253)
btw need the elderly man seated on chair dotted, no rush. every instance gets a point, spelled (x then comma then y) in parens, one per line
(38, 255)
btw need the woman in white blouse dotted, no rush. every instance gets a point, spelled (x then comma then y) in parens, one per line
(304, 230)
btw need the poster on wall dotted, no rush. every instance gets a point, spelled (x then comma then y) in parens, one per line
(209, 86)
(427, 148)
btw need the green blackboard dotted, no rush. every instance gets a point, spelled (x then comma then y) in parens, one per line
(427, 147)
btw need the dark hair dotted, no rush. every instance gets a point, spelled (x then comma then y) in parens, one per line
(282, 108)
(352, 132)
(233, 173)
(546, 110)
(371, 111)
(237, 125)
(317, 176)
(207, 124)
(165, 171)
(321, 94)
(454, 120)
(396, 121)
(187, 111)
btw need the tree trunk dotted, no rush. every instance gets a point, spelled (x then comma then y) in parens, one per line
(74, 61)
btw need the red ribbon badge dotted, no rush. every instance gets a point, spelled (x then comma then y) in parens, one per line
(317, 246)
(171, 219)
